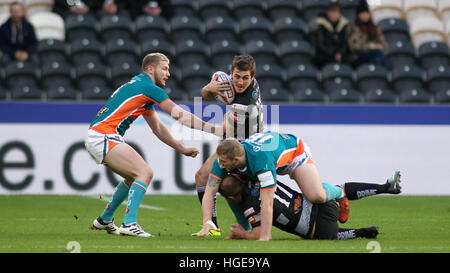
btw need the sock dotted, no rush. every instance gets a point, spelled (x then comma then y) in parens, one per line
(333, 192)
(347, 234)
(119, 195)
(200, 193)
(357, 190)
(135, 196)
(237, 211)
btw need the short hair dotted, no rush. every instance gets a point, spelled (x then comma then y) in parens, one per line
(153, 59)
(244, 63)
(334, 6)
(230, 186)
(17, 3)
(231, 148)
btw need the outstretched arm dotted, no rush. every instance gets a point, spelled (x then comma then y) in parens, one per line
(188, 119)
(238, 232)
(163, 133)
(207, 203)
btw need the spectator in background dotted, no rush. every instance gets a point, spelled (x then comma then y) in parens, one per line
(150, 7)
(366, 41)
(330, 36)
(64, 7)
(17, 36)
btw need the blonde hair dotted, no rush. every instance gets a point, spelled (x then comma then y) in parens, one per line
(231, 148)
(153, 59)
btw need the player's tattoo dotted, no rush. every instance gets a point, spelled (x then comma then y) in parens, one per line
(212, 181)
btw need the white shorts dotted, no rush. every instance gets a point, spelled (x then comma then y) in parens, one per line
(303, 157)
(98, 145)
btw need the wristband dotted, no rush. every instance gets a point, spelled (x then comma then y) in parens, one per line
(209, 222)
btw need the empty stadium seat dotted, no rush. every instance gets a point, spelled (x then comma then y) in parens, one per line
(442, 96)
(346, 95)
(438, 78)
(395, 29)
(427, 29)
(184, 28)
(242, 8)
(3, 93)
(118, 51)
(254, 28)
(36, 6)
(269, 76)
(26, 92)
(263, 51)
(296, 52)
(302, 77)
(401, 53)
(156, 45)
(310, 94)
(289, 29)
(416, 95)
(48, 25)
(371, 76)
(56, 74)
(383, 9)
(420, 8)
(86, 50)
(190, 51)
(380, 95)
(183, 7)
(61, 92)
(312, 8)
(116, 26)
(18, 73)
(151, 27)
(96, 92)
(194, 76)
(123, 72)
(336, 77)
(433, 54)
(50, 50)
(220, 28)
(214, 8)
(444, 10)
(222, 53)
(275, 94)
(78, 26)
(282, 8)
(407, 77)
(91, 74)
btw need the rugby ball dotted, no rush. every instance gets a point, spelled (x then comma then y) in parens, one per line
(226, 97)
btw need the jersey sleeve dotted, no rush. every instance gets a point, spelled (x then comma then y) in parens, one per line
(263, 168)
(157, 95)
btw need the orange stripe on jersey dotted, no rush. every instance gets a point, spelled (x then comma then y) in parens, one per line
(288, 155)
(266, 189)
(109, 125)
(215, 176)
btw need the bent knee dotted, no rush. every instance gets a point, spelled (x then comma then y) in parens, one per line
(318, 198)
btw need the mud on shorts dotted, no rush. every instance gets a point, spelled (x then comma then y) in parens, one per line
(98, 144)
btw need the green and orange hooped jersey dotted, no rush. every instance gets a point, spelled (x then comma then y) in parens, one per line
(127, 103)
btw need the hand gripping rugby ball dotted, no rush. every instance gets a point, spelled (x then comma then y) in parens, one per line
(225, 97)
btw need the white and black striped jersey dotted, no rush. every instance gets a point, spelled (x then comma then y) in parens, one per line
(247, 110)
(291, 211)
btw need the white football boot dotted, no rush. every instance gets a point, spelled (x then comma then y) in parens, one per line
(133, 230)
(110, 227)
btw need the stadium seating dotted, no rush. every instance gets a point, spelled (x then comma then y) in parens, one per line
(289, 29)
(18, 73)
(278, 9)
(338, 77)
(220, 28)
(432, 54)
(203, 36)
(151, 27)
(26, 92)
(80, 26)
(48, 25)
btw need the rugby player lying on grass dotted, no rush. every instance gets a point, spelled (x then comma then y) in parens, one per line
(293, 213)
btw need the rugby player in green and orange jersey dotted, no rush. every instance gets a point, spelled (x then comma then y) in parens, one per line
(105, 143)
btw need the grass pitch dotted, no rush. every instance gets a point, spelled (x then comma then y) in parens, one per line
(61, 224)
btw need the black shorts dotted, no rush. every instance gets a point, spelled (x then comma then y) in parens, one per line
(326, 221)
